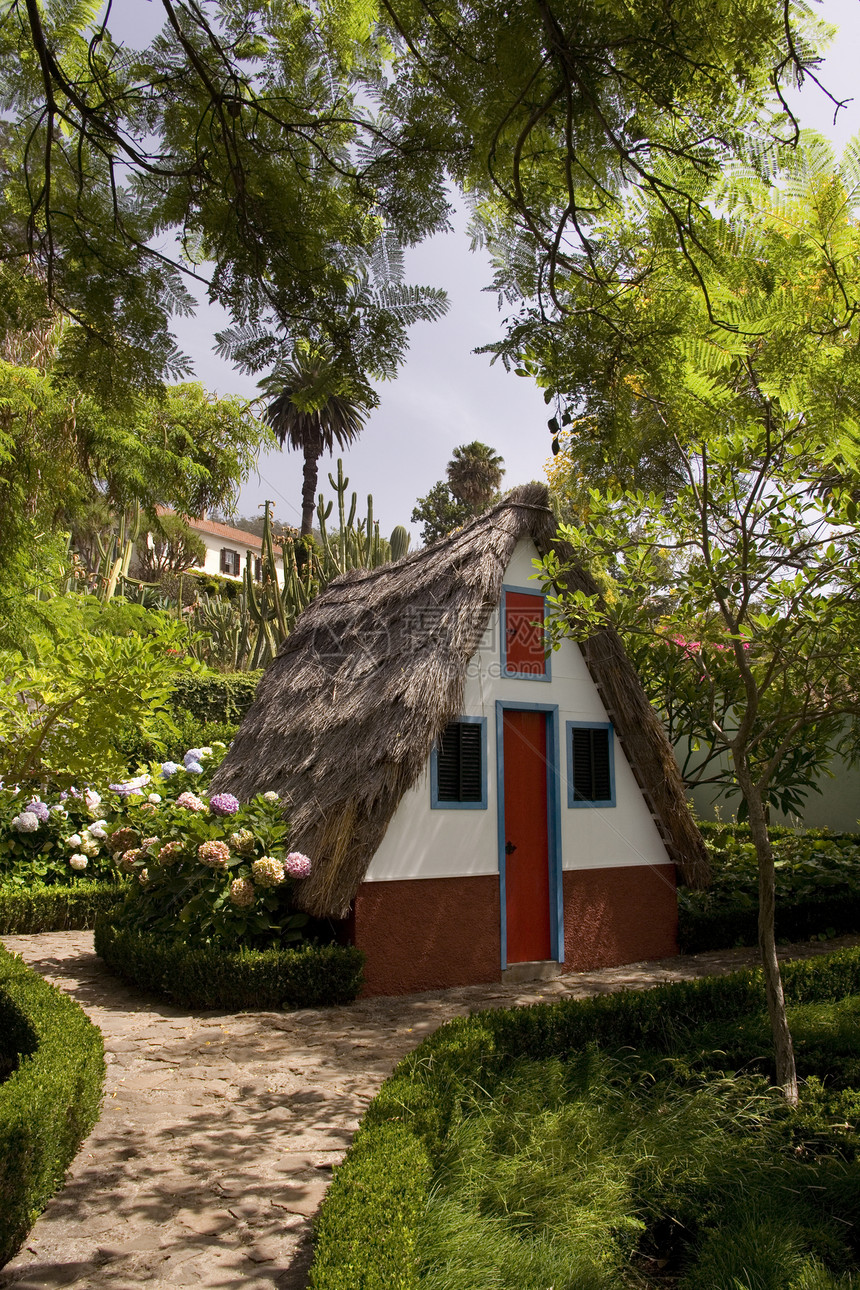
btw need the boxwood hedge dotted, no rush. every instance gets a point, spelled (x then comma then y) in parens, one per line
(42, 908)
(53, 1060)
(359, 1246)
(210, 977)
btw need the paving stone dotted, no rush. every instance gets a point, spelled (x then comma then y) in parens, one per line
(303, 1198)
(204, 1222)
(264, 1252)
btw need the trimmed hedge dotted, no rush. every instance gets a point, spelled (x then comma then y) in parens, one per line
(736, 923)
(51, 1099)
(208, 977)
(404, 1128)
(215, 697)
(386, 1184)
(42, 908)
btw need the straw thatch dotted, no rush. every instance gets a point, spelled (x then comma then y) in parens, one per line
(345, 717)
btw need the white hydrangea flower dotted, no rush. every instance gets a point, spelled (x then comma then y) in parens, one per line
(154, 798)
(271, 796)
(74, 840)
(90, 847)
(92, 800)
(26, 822)
(78, 861)
(97, 830)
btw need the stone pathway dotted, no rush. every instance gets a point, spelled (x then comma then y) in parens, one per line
(219, 1131)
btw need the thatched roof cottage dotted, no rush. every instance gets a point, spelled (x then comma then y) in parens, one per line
(469, 801)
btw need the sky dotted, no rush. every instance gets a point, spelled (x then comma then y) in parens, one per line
(446, 394)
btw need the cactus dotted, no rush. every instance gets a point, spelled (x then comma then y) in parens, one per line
(399, 542)
(116, 554)
(264, 613)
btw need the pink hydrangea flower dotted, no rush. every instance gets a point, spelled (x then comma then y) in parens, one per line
(215, 854)
(191, 802)
(297, 865)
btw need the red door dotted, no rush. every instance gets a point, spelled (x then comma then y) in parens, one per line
(526, 840)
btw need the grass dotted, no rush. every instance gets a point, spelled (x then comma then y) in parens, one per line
(631, 1169)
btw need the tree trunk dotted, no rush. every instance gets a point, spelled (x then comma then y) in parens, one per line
(786, 1073)
(309, 489)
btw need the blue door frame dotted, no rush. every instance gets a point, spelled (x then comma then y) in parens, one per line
(553, 786)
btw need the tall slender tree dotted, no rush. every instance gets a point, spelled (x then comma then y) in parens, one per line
(315, 409)
(752, 370)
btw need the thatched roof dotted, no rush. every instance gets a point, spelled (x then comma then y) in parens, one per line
(346, 715)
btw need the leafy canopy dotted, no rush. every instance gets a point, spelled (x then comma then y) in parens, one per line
(556, 109)
(234, 152)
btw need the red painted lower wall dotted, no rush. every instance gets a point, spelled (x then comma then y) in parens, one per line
(428, 933)
(614, 916)
(434, 933)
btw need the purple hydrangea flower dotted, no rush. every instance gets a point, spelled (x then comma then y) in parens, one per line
(169, 768)
(39, 809)
(223, 804)
(194, 768)
(192, 756)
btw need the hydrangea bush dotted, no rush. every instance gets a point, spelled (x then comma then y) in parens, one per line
(208, 870)
(58, 837)
(197, 867)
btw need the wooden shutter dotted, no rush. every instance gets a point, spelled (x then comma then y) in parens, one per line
(592, 778)
(525, 646)
(459, 768)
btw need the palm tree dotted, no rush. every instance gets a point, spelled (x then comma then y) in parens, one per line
(474, 474)
(315, 408)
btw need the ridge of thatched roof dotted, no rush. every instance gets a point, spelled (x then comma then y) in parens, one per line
(347, 713)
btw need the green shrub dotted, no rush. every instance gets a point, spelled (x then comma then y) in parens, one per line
(42, 908)
(60, 716)
(70, 826)
(202, 707)
(210, 976)
(169, 738)
(207, 869)
(215, 697)
(49, 1102)
(425, 1095)
(817, 888)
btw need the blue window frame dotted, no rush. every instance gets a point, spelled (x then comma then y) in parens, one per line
(458, 766)
(546, 659)
(590, 763)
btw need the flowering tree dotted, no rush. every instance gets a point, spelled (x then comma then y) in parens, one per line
(751, 370)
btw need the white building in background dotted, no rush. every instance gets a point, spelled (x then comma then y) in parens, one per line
(227, 549)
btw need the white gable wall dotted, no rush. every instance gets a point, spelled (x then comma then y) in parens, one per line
(424, 843)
